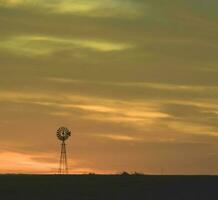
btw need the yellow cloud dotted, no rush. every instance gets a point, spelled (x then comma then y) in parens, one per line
(136, 114)
(119, 137)
(94, 8)
(44, 45)
(99, 8)
(102, 45)
(192, 128)
(12, 2)
(146, 85)
(95, 108)
(74, 6)
(28, 46)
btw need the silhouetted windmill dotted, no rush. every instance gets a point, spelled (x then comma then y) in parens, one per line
(63, 134)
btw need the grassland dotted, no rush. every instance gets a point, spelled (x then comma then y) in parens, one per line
(108, 187)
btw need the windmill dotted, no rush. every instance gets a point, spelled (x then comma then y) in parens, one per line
(63, 134)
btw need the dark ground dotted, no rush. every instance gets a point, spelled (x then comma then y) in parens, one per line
(108, 187)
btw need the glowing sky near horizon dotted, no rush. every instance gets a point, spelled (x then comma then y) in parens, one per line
(136, 81)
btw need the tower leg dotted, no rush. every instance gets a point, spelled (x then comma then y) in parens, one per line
(63, 167)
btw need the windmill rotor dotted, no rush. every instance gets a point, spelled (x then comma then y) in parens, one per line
(63, 133)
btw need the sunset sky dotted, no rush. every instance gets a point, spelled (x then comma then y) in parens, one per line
(136, 81)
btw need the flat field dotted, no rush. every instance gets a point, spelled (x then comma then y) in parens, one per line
(108, 187)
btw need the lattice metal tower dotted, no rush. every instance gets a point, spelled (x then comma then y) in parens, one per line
(63, 134)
